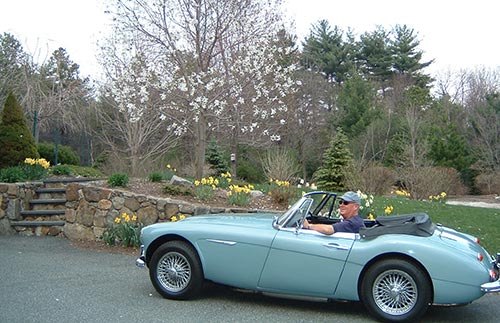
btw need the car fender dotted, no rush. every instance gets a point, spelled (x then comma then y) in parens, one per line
(455, 275)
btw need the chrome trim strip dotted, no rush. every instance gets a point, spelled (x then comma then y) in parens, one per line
(493, 287)
(224, 242)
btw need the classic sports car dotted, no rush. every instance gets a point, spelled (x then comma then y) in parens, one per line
(397, 266)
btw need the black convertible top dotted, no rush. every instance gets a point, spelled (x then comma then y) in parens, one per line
(417, 224)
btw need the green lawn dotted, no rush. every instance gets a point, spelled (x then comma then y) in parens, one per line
(480, 222)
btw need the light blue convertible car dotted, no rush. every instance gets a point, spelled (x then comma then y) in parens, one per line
(398, 266)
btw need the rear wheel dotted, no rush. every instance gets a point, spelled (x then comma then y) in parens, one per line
(396, 290)
(175, 270)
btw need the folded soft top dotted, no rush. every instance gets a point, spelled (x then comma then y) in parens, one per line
(418, 224)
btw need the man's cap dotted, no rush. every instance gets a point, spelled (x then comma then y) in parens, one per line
(351, 197)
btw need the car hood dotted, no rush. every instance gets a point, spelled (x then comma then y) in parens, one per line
(249, 228)
(212, 225)
(248, 220)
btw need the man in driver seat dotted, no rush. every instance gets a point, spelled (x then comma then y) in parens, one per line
(349, 207)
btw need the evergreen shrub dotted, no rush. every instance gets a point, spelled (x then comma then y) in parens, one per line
(65, 154)
(155, 177)
(16, 140)
(61, 170)
(215, 157)
(118, 179)
(337, 164)
(12, 174)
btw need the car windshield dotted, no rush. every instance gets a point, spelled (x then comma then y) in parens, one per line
(314, 204)
(291, 218)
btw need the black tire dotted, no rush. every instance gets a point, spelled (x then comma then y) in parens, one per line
(396, 290)
(175, 270)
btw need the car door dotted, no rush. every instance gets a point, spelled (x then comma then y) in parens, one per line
(305, 262)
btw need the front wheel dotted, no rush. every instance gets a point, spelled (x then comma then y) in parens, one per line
(175, 270)
(396, 290)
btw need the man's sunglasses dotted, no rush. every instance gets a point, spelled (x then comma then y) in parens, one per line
(345, 202)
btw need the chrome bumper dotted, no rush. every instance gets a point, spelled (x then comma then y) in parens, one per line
(492, 287)
(141, 261)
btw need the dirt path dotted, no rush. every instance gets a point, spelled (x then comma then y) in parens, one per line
(487, 201)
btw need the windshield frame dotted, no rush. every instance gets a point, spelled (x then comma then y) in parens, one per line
(302, 207)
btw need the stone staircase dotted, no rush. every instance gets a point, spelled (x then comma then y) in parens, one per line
(46, 209)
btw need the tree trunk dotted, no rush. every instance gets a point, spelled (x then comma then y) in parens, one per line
(200, 146)
(234, 154)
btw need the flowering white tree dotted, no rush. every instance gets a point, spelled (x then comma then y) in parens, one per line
(131, 126)
(214, 63)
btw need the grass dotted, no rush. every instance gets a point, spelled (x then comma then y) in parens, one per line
(483, 223)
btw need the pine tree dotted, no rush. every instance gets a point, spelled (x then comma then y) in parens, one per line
(337, 160)
(326, 50)
(407, 58)
(16, 140)
(374, 55)
(215, 158)
(356, 100)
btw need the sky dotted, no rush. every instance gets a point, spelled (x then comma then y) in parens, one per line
(456, 34)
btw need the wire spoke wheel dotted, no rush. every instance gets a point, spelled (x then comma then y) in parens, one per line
(395, 292)
(174, 272)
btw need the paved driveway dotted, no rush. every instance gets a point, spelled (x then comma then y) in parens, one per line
(49, 280)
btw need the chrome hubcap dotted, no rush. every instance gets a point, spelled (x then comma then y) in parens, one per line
(395, 292)
(173, 272)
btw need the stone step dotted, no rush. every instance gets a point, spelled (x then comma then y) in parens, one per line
(69, 180)
(51, 193)
(37, 223)
(48, 201)
(61, 182)
(51, 190)
(42, 212)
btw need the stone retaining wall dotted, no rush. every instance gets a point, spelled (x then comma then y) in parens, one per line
(13, 199)
(90, 209)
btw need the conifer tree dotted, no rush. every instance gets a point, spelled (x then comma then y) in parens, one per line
(16, 140)
(215, 158)
(337, 160)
